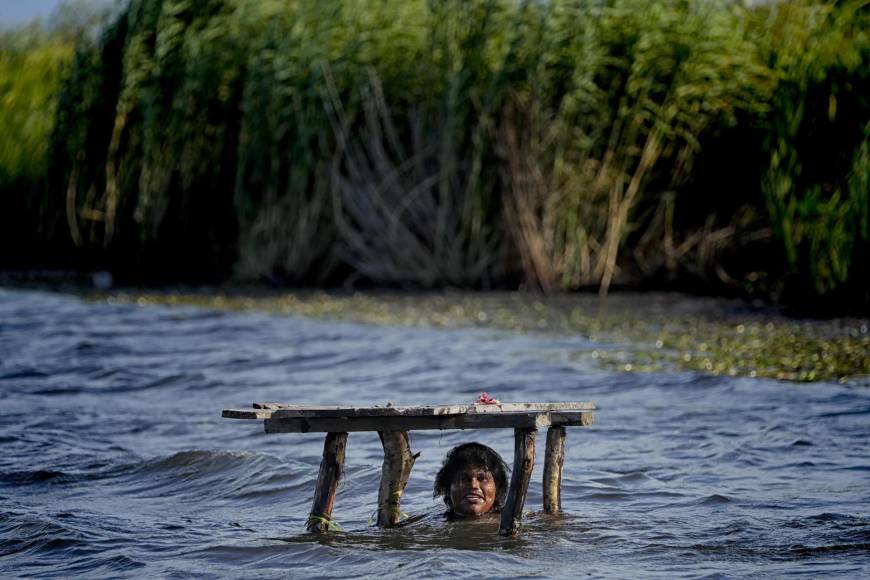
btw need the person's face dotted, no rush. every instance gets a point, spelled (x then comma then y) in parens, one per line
(472, 492)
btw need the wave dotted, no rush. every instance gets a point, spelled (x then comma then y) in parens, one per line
(37, 476)
(41, 544)
(241, 476)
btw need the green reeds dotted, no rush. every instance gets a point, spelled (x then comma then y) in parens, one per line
(617, 99)
(34, 62)
(473, 144)
(816, 185)
(31, 66)
(414, 183)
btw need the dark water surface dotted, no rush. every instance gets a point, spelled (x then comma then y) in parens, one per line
(115, 461)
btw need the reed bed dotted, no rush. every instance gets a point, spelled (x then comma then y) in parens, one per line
(475, 144)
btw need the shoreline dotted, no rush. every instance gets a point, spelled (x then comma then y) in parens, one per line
(628, 331)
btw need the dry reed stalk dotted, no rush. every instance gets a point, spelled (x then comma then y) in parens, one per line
(620, 207)
(556, 219)
(287, 236)
(523, 208)
(110, 193)
(71, 219)
(404, 212)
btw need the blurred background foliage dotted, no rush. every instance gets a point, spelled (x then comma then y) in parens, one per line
(34, 60)
(558, 145)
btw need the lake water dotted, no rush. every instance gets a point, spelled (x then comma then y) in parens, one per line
(115, 460)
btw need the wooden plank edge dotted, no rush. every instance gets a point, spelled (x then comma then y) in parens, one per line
(356, 424)
(292, 411)
(572, 419)
(472, 421)
(246, 413)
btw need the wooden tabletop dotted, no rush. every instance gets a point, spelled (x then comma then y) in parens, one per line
(303, 418)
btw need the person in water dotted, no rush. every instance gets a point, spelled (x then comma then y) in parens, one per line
(472, 481)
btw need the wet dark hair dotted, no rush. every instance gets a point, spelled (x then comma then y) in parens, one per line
(472, 455)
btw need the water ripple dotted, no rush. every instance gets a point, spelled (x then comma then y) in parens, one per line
(116, 462)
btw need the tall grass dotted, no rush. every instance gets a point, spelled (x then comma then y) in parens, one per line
(618, 97)
(34, 61)
(31, 65)
(364, 133)
(30, 71)
(414, 188)
(817, 182)
(446, 143)
(156, 103)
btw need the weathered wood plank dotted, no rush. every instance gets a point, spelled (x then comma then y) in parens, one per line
(291, 410)
(331, 468)
(572, 418)
(471, 421)
(246, 413)
(353, 424)
(554, 458)
(287, 410)
(398, 462)
(524, 462)
(286, 405)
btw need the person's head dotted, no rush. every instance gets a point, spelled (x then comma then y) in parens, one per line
(473, 480)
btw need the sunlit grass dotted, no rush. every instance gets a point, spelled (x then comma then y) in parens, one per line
(32, 64)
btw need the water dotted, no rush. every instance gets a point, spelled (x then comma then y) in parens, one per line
(115, 461)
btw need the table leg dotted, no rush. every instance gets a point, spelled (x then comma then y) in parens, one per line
(331, 468)
(395, 473)
(524, 461)
(554, 458)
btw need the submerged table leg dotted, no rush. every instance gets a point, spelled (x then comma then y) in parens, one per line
(396, 471)
(554, 458)
(524, 461)
(331, 467)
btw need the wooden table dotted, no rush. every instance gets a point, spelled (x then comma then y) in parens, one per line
(393, 423)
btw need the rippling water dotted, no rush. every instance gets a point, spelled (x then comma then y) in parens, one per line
(115, 460)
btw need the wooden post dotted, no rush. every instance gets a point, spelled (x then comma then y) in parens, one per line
(331, 467)
(395, 473)
(524, 461)
(553, 460)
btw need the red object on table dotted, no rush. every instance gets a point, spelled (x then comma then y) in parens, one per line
(485, 399)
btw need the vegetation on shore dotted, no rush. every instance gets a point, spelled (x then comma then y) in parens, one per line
(35, 61)
(559, 145)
